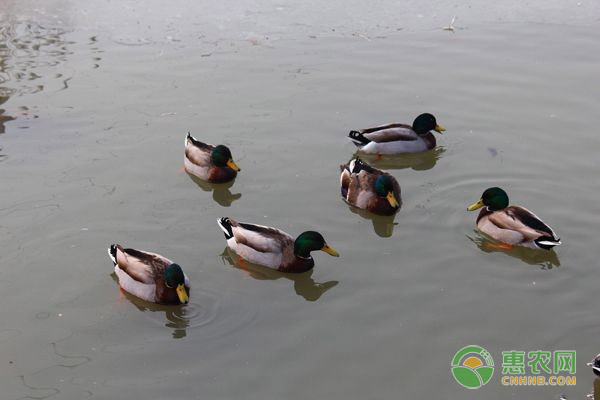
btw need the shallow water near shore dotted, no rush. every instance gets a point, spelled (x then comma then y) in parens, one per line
(93, 116)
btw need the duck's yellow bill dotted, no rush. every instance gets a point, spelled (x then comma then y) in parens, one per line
(392, 199)
(439, 128)
(476, 205)
(182, 294)
(232, 165)
(330, 251)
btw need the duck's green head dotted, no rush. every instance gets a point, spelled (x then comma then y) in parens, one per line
(384, 187)
(425, 123)
(221, 157)
(310, 241)
(175, 279)
(493, 198)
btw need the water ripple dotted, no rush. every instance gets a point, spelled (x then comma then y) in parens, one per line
(210, 314)
(46, 391)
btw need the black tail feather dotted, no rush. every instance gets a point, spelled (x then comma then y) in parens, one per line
(226, 227)
(547, 242)
(360, 165)
(112, 253)
(358, 139)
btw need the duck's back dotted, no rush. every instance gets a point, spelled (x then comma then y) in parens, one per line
(197, 157)
(396, 139)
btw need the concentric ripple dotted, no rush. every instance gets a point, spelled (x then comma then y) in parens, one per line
(210, 314)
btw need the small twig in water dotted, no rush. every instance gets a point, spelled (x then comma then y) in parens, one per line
(451, 26)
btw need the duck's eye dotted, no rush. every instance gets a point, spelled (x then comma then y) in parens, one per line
(167, 285)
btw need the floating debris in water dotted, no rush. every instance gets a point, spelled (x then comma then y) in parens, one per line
(451, 26)
(360, 35)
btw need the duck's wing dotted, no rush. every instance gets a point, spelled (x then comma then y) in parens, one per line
(197, 152)
(366, 180)
(384, 127)
(525, 222)
(357, 181)
(198, 144)
(353, 190)
(261, 238)
(345, 179)
(365, 174)
(384, 134)
(360, 188)
(140, 265)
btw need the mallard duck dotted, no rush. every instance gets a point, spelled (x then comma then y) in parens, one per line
(595, 365)
(207, 162)
(398, 138)
(513, 225)
(369, 188)
(273, 248)
(149, 276)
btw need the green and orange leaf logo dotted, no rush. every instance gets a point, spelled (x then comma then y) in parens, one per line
(472, 367)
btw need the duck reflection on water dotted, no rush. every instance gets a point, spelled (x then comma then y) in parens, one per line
(545, 259)
(304, 285)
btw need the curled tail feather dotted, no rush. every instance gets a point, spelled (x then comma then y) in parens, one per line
(112, 253)
(358, 138)
(226, 227)
(547, 242)
(357, 165)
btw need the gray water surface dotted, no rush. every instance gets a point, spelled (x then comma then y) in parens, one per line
(95, 102)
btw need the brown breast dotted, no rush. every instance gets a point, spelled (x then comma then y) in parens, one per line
(298, 265)
(221, 174)
(381, 206)
(165, 295)
(484, 211)
(429, 140)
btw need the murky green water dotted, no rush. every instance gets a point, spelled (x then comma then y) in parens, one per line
(95, 101)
